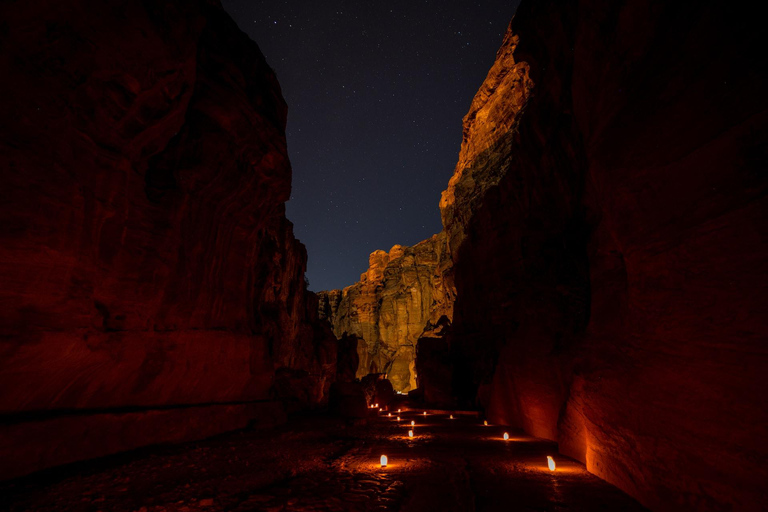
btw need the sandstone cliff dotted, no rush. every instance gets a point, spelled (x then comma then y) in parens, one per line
(493, 115)
(401, 297)
(150, 283)
(608, 225)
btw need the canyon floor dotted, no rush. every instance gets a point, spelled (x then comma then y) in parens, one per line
(326, 464)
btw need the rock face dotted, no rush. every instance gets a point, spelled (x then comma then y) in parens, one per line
(145, 258)
(401, 297)
(493, 115)
(434, 371)
(609, 228)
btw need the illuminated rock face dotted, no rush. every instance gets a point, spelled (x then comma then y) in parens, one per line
(493, 115)
(401, 297)
(611, 286)
(146, 258)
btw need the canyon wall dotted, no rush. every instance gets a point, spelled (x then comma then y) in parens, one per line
(150, 284)
(401, 297)
(609, 228)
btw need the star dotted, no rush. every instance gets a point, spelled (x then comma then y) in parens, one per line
(376, 94)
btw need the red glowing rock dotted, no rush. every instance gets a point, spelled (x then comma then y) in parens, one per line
(146, 258)
(608, 227)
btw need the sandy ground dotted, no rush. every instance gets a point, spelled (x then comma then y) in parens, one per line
(325, 464)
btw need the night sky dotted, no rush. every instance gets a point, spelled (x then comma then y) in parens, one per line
(376, 93)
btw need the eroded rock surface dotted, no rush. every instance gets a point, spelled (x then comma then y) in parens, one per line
(610, 245)
(493, 115)
(401, 297)
(146, 261)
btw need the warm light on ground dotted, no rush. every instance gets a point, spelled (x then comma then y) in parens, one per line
(413, 473)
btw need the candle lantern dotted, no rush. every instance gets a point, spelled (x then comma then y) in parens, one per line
(551, 463)
(425, 413)
(413, 423)
(398, 418)
(410, 433)
(506, 436)
(389, 414)
(383, 461)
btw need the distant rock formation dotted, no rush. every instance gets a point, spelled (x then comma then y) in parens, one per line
(400, 298)
(384, 309)
(150, 283)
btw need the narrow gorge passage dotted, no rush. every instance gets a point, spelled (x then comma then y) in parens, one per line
(230, 228)
(321, 463)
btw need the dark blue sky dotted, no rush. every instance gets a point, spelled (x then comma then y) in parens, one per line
(376, 93)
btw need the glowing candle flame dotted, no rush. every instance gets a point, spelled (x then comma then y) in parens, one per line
(425, 413)
(375, 405)
(380, 409)
(451, 416)
(398, 418)
(485, 423)
(410, 433)
(551, 463)
(506, 436)
(383, 461)
(389, 414)
(413, 423)
(398, 410)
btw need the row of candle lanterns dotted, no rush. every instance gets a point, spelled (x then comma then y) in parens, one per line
(550, 461)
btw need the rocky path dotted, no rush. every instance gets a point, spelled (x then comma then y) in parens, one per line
(322, 464)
